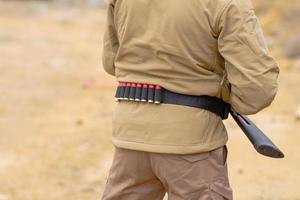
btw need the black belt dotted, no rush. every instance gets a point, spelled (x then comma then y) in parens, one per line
(156, 94)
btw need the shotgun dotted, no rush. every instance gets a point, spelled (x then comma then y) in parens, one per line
(259, 140)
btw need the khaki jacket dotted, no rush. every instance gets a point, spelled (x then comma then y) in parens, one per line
(195, 47)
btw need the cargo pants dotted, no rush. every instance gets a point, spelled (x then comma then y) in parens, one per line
(137, 175)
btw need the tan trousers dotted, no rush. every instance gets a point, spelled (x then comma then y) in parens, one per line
(137, 175)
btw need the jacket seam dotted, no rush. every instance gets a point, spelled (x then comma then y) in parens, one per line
(221, 13)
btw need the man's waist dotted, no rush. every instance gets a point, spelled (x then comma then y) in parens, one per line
(156, 94)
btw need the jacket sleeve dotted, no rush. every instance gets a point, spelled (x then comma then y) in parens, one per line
(251, 72)
(110, 42)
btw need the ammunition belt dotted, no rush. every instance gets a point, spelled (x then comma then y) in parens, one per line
(157, 95)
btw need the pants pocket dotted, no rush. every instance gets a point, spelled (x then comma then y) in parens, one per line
(220, 190)
(195, 157)
(219, 156)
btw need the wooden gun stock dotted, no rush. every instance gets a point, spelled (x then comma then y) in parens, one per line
(260, 141)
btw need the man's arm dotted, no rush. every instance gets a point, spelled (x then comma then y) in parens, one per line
(251, 72)
(111, 43)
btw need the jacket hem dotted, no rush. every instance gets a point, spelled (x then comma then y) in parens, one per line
(168, 148)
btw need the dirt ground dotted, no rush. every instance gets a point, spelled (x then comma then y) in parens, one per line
(56, 103)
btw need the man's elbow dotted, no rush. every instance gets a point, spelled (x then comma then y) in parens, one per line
(266, 98)
(255, 100)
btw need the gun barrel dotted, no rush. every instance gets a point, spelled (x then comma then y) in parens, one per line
(259, 140)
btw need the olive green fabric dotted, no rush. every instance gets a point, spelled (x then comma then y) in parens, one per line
(195, 47)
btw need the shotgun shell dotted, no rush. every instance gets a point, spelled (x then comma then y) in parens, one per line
(151, 89)
(144, 96)
(127, 90)
(138, 92)
(132, 92)
(117, 96)
(122, 90)
(157, 96)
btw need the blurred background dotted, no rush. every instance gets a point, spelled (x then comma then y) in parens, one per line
(56, 104)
